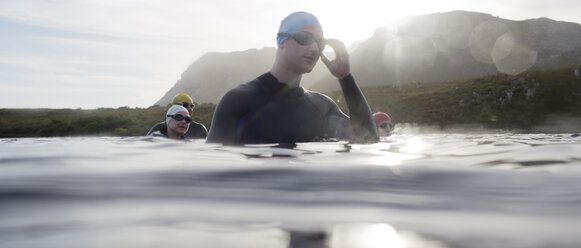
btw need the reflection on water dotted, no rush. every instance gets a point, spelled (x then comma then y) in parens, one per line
(430, 190)
(370, 236)
(360, 235)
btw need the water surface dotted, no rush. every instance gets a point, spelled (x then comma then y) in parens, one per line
(410, 190)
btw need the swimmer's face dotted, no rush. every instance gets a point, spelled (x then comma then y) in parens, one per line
(189, 106)
(180, 127)
(303, 58)
(384, 128)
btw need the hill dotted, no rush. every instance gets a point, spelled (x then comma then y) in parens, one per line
(208, 78)
(461, 45)
(429, 48)
(538, 101)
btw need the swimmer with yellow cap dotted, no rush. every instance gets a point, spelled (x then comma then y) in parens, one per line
(185, 100)
(195, 131)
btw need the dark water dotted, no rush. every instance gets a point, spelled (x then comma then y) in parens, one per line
(428, 190)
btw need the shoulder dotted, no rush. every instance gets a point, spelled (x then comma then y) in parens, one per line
(157, 134)
(242, 96)
(157, 127)
(245, 89)
(160, 125)
(198, 130)
(320, 98)
(197, 125)
(325, 104)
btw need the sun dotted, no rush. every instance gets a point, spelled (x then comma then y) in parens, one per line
(351, 21)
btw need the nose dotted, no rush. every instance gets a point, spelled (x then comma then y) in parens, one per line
(314, 47)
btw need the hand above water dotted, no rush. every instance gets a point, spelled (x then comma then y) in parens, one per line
(339, 66)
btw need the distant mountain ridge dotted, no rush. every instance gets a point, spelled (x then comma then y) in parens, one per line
(461, 45)
(209, 77)
(429, 48)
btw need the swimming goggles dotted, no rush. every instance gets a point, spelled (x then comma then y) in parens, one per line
(305, 39)
(187, 104)
(179, 117)
(385, 124)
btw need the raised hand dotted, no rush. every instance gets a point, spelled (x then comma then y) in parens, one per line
(339, 66)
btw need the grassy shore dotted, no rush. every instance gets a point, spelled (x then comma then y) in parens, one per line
(77, 122)
(540, 101)
(531, 102)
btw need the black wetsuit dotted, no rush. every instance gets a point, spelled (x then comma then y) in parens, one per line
(195, 131)
(267, 111)
(161, 133)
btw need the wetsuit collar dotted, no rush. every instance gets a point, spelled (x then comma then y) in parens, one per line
(278, 88)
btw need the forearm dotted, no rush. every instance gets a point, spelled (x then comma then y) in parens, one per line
(362, 123)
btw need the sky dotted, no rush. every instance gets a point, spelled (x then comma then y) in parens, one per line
(127, 53)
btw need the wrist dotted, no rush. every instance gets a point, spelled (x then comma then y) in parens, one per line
(344, 76)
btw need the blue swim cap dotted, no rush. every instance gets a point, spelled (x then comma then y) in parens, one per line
(294, 22)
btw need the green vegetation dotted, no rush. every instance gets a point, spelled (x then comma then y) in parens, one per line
(76, 122)
(518, 103)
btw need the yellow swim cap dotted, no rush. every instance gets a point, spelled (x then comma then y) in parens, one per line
(181, 98)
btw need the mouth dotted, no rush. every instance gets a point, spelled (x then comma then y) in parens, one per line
(309, 58)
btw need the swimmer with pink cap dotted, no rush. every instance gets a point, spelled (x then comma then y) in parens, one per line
(383, 123)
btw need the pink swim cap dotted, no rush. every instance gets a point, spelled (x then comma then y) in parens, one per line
(380, 117)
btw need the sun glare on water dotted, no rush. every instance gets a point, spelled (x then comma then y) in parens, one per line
(366, 236)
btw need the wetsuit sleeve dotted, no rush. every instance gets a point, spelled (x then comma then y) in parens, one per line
(362, 124)
(156, 127)
(224, 123)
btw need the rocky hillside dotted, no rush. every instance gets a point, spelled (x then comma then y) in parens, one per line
(208, 78)
(537, 101)
(461, 45)
(430, 48)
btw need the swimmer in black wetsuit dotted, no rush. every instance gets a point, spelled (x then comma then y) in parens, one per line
(273, 108)
(195, 131)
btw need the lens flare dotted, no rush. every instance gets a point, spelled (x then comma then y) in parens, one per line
(511, 56)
